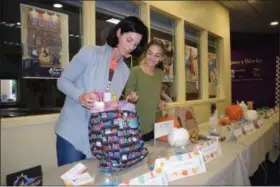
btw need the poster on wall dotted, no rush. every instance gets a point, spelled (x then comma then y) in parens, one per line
(247, 69)
(191, 63)
(213, 76)
(167, 60)
(44, 36)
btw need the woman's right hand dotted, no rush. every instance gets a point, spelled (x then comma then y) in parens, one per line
(87, 100)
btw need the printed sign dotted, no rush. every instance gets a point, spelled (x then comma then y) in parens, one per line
(180, 166)
(163, 128)
(210, 149)
(147, 179)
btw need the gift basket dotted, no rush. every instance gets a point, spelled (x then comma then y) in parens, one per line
(115, 135)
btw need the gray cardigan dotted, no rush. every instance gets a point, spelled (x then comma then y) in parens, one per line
(88, 71)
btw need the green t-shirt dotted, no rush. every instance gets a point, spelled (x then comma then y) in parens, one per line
(148, 91)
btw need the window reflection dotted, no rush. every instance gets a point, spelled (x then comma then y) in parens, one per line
(213, 65)
(192, 63)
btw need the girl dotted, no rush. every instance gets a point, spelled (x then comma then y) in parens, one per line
(145, 80)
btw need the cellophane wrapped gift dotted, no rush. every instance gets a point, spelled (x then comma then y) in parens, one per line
(115, 135)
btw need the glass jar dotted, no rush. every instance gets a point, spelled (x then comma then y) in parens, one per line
(107, 177)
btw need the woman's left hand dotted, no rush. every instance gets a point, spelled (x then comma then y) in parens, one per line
(162, 105)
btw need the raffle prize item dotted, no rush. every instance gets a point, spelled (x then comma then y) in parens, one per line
(234, 112)
(251, 115)
(115, 136)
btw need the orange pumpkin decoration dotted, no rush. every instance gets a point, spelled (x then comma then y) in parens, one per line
(175, 124)
(234, 112)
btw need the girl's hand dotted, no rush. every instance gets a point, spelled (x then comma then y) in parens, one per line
(162, 105)
(132, 97)
(87, 100)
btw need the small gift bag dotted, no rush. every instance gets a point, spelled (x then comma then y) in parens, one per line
(115, 136)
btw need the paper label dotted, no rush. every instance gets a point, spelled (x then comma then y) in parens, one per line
(107, 97)
(82, 179)
(249, 128)
(73, 172)
(210, 149)
(147, 179)
(259, 122)
(180, 166)
(163, 128)
(238, 133)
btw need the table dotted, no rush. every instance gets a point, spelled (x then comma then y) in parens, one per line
(226, 169)
(239, 160)
(258, 144)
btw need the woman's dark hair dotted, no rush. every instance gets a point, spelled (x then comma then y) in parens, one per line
(130, 24)
(161, 45)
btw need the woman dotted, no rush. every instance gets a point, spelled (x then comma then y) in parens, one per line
(146, 80)
(89, 72)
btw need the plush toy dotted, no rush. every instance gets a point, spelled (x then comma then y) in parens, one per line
(179, 137)
(251, 115)
(234, 112)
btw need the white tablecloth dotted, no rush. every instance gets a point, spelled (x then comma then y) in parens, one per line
(226, 169)
(258, 143)
(239, 160)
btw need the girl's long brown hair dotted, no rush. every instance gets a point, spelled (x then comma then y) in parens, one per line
(157, 43)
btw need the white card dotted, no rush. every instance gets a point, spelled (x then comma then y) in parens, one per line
(163, 128)
(238, 133)
(73, 172)
(210, 149)
(249, 128)
(147, 179)
(99, 107)
(259, 122)
(107, 97)
(82, 179)
(180, 166)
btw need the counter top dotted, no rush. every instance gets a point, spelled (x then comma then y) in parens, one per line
(20, 112)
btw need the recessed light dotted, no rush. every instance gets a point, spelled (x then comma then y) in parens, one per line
(113, 20)
(57, 5)
(273, 23)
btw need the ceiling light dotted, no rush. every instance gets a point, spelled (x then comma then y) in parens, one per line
(18, 23)
(57, 5)
(273, 23)
(113, 20)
